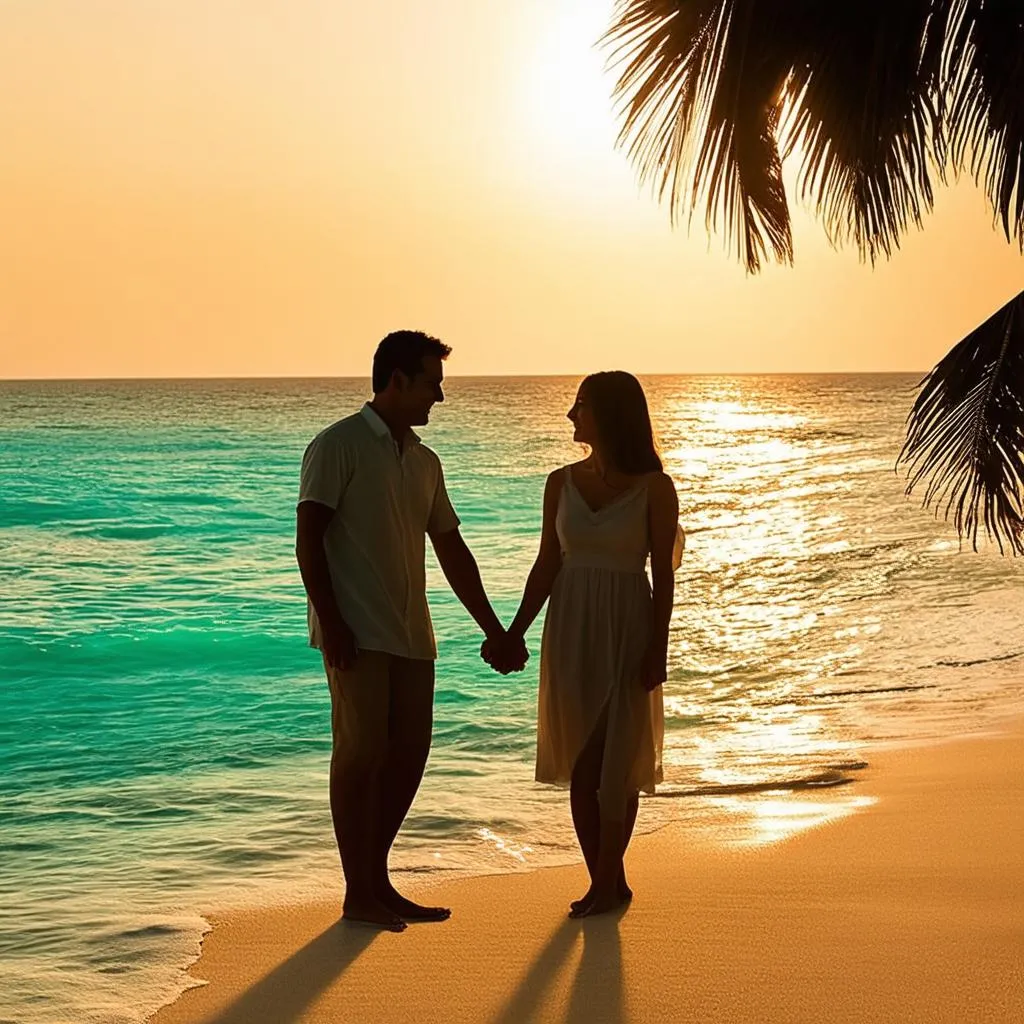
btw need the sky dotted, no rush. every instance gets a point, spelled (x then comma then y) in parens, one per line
(256, 188)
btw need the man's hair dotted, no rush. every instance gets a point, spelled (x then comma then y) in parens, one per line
(404, 350)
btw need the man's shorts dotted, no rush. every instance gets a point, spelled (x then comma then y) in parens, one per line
(362, 697)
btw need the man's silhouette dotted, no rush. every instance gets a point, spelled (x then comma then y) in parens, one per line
(370, 493)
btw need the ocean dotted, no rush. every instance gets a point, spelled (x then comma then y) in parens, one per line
(164, 731)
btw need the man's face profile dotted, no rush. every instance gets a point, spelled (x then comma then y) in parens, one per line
(421, 391)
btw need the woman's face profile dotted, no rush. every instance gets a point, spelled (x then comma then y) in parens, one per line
(582, 419)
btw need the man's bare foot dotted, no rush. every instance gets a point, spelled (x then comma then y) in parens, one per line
(374, 913)
(410, 911)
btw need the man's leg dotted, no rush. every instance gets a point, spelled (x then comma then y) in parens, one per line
(359, 722)
(410, 722)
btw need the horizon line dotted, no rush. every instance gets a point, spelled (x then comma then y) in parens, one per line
(465, 376)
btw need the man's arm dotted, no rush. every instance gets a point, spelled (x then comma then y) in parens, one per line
(311, 522)
(463, 575)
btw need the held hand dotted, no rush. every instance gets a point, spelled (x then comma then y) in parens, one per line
(487, 654)
(519, 654)
(492, 651)
(505, 653)
(339, 644)
(654, 666)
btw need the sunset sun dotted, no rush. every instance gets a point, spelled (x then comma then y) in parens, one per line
(568, 117)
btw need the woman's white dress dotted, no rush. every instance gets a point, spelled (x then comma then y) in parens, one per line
(596, 630)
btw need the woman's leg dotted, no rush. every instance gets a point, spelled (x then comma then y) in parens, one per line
(590, 813)
(604, 889)
(617, 806)
(632, 806)
(586, 777)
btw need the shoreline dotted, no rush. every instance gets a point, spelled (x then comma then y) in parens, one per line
(909, 909)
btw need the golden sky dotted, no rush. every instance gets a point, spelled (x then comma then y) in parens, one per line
(248, 188)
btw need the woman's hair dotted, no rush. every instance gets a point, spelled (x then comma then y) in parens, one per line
(622, 421)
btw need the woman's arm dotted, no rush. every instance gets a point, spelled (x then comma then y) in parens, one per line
(548, 561)
(662, 518)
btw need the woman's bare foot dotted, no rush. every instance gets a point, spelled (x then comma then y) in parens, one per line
(410, 911)
(372, 912)
(625, 895)
(578, 905)
(598, 903)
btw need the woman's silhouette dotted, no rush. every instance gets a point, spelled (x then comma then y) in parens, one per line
(603, 655)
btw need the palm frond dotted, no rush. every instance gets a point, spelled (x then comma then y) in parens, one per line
(879, 96)
(738, 167)
(862, 91)
(667, 51)
(966, 432)
(701, 95)
(986, 113)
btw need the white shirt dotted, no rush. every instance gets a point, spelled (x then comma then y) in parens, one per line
(386, 500)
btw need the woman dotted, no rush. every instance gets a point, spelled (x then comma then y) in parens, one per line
(600, 720)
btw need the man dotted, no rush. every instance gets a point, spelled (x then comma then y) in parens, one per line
(370, 493)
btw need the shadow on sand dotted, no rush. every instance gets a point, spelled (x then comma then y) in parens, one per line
(597, 995)
(282, 995)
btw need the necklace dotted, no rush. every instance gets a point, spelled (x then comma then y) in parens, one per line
(603, 477)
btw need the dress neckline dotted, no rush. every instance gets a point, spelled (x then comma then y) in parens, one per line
(608, 504)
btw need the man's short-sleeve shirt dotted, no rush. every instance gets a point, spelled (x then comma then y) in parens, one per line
(385, 500)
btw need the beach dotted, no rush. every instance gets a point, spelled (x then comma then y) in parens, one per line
(910, 909)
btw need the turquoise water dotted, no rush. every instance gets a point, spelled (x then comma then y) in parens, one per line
(164, 728)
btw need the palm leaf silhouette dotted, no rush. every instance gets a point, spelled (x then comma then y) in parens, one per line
(878, 99)
(966, 432)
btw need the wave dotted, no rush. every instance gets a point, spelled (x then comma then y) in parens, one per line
(980, 661)
(827, 779)
(867, 691)
(811, 698)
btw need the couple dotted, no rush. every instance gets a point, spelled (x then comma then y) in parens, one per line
(370, 494)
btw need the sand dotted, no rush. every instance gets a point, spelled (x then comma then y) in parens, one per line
(910, 910)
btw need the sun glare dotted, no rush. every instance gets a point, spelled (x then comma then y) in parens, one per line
(569, 125)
